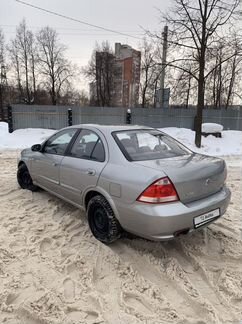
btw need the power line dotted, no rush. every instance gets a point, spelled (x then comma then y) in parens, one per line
(76, 20)
(136, 32)
(74, 34)
(80, 33)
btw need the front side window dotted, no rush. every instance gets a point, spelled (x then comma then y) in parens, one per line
(141, 145)
(88, 145)
(58, 143)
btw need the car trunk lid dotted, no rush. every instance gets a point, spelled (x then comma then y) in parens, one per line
(194, 176)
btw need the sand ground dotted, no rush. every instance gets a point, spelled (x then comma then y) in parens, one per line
(52, 270)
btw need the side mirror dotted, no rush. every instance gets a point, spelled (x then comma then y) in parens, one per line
(36, 148)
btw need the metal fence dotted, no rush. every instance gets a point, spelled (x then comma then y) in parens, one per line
(56, 117)
(3, 113)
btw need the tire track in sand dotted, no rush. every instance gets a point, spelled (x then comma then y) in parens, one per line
(157, 269)
(200, 281)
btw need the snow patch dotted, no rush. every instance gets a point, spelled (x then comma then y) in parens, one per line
(3, 128)
(22, 138)
(229, 144)
(212, 128)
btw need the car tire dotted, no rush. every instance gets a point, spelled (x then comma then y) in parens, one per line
(102, 221)
(24, 179)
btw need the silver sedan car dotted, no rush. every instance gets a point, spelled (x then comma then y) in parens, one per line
(128, 178)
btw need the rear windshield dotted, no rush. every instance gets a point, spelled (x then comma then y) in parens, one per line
(142, 145)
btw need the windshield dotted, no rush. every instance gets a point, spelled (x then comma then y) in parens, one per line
(141, 145)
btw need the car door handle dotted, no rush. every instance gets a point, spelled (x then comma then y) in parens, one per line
(91, 172)
(54, 163)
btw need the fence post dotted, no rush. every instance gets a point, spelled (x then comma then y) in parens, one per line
(128, 116)
(10, 119)
(69, 117)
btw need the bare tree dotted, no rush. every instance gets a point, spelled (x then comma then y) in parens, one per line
(2, 71)
(235, 75)
(99, 72)
(23, 37)
(150, 72)
(104, 76)
(14, 58)
(33, 62)
(75, 97)
(2, 47)
(196, 26)
(89, 71)
(182, 86)
(22, 54)
(54, 68)
(225, 79)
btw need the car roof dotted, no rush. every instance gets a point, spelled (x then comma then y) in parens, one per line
(112, 128)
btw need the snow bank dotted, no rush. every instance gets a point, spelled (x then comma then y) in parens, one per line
(229, 144)
(22, 138)
(3, 129)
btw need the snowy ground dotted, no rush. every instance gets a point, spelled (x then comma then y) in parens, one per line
(52, 270)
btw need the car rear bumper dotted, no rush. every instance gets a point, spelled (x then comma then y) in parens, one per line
(166, 221)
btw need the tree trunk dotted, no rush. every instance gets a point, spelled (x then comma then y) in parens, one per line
(219, 81)
(27, 80)
(143, 96)
(188, 91)
(231, 84)
(154, 93)
(200, 103)
(53, 93)
(201, 80)
(20, 90)
(34, 78)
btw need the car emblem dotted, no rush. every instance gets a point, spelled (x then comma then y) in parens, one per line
(207, 182)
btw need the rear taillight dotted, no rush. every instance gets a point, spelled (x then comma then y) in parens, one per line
(161, 191)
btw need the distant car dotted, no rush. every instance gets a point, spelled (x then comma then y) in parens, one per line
(131, 178)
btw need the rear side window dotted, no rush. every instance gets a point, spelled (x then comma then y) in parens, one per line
(88, 145)
(141, 145)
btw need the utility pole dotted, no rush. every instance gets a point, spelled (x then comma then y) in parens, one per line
(163, 66)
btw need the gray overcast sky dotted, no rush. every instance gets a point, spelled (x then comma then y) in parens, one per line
(123, 15)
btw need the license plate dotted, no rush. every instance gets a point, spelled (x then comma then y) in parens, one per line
(206, 218)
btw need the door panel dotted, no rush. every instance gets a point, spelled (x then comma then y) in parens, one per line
(76, 175)
(45, 169)
(45, 165)
(82, 167)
